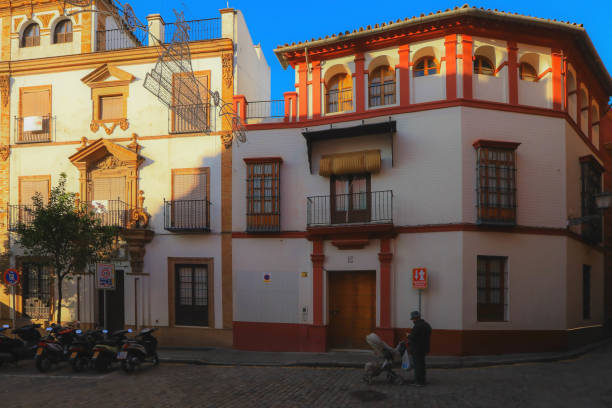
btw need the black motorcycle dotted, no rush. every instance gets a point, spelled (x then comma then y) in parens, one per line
(105, 351)
(53, 348)
(13, 350)
(81, 349)
(136, 351)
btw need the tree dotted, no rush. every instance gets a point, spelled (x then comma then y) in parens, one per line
(66, 235)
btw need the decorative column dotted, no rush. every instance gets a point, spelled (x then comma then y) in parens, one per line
(240, 107)
(450, 44)
(385, 330)
(290, 106)
(578, 103)
(359, 83)
(557, 81)
(317, 258)
(316, 89)
(565, 91)
(404, 74)
(513, 73)
(590, 113)
(303, 90)
(468, 65)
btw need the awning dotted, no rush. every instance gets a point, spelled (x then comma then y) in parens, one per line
(366, 161)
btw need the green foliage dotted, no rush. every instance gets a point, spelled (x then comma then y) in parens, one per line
(64, 236)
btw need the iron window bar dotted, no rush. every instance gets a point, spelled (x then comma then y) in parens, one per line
(374, 207)
(203, 29)
(45, 135)
(266, 109)
(187, 215)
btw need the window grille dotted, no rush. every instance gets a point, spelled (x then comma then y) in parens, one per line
(496, 185)
(591, 185)
(263, 196)
(586, 292)
(492, 288)
(36, 291)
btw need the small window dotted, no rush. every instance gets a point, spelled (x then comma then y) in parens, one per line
(382, 86)
(350, 199)
(111, 107)
(31, 36)
(586, 292)
(263, 195)
(483, 66)
(591, 171)
(190, 205)
(37, 290)
(339, 96)
(492, 290)
(63, 32)
(528, 72)
(425, 66)
(496, 183)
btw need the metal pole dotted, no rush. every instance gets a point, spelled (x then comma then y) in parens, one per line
(420, 291)
(14, 307)
(136, 303)
(105, 319)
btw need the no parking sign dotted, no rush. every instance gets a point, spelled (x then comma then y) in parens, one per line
(11, 277)
(105, 276)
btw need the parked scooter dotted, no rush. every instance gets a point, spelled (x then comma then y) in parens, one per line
(53, 349)
(81, 349)
(14, 349)
(136, 351)
(105, 351)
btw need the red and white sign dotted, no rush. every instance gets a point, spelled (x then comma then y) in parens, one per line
(11, 277)
(419, 278)
(105, 276)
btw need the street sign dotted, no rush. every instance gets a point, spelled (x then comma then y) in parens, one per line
(419, 278)
(11, 277)
(105, 276)
(267, 277)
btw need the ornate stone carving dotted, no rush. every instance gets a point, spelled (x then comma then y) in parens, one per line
(4, 152)
(45, 18)
(228, 69)
(136, 240)
(226, 139)
(110, 162)
(83, 143)
(110, 127)
(134, 146)
(17, 21)
(124, 124)
(94, 127)
(139, 218)
(5, 87)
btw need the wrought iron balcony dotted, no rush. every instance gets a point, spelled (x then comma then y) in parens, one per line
(204, 29)
(265, 109)
(188, 118)
(187, 215)
(34, 129)
(119, 39)
(342, 209)
(17, 214)
(112, 213)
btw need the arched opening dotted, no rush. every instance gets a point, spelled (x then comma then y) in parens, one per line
(584, 110)
(382, 86)
(63, 32)
(595, 124)
(527, 72)
(571, 95)
(484, 60)
(426, 66)
(31, 36)
(339, 93)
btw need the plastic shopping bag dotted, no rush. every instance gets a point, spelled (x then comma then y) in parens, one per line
(406, 363)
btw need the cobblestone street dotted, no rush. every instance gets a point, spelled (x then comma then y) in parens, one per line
(582, 382)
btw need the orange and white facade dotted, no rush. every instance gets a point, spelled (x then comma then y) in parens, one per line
(461, 142)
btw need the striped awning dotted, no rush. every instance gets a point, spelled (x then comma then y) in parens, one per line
(366, 161)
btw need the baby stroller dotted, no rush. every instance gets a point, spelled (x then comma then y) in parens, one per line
(387, 355)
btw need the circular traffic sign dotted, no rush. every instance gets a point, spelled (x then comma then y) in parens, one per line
(11, 277)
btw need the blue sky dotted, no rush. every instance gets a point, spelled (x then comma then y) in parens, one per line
(277, 22)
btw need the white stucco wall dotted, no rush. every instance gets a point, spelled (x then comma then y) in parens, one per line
(252, 73)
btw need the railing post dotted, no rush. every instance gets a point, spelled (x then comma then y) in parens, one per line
(240, 107)
(157, 28)
(290, 106)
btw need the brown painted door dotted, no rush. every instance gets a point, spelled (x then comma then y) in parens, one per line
(352, 308)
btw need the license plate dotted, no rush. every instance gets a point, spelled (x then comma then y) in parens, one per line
(39, 351)
(73, 355)
(122, 355)
(96, 354)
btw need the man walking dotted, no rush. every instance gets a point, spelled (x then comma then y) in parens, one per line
(418, 340)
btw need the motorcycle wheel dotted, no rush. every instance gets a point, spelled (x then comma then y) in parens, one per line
(155, 359)
(101, 364)
(127, 366)
(79, 364)
(43, 363)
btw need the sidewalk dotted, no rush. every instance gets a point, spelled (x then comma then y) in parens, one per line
(351, 359)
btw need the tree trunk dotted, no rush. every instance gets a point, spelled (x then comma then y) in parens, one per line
(59, 299)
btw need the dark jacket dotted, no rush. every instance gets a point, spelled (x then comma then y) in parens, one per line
(418, 339)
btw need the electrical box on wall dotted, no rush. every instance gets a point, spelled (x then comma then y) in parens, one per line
(304, 313)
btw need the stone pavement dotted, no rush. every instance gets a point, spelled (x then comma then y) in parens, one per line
(580, 382)
(350, 359)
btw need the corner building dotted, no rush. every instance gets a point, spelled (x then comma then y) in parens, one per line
(467, 142)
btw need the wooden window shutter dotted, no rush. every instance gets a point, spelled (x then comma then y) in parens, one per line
(35, 103)
(190, 186)
(109, 188)
(30, 187)
(111, 107)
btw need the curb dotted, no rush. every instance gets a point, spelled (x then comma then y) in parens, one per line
(460, 362)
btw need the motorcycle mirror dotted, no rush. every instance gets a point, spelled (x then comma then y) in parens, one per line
(79, 331)
(105, 331)
(5, 326)
(129, 330)
(49, 329)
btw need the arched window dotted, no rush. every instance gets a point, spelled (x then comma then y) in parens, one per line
(31, 36)
(483, 66)
(527, 72)
(339, 96)
(63, 32)
(382, 86)
(425, 66)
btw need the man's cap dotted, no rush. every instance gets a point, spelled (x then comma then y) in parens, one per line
(415, 315)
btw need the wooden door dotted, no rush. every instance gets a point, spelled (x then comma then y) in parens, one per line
(191, 283)
(352, 308)
(350, 199)
(115, 305)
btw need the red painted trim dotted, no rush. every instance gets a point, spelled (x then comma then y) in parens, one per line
(591, 159)
(367, 231)
(590, 116)
(566, 93)
(578, 104)
(250, 160)
(316, 89)
(290, 106)
(385, 257)
(264, 336)
(317, 257)
(546, 71)
(450, 44)
(497, 144)
(240, 106)
(513, 72)
(404, 74)
(503, 64)
(350, 243)
(468, 66)
(303, 91)
(359, 83)
(282, 234)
